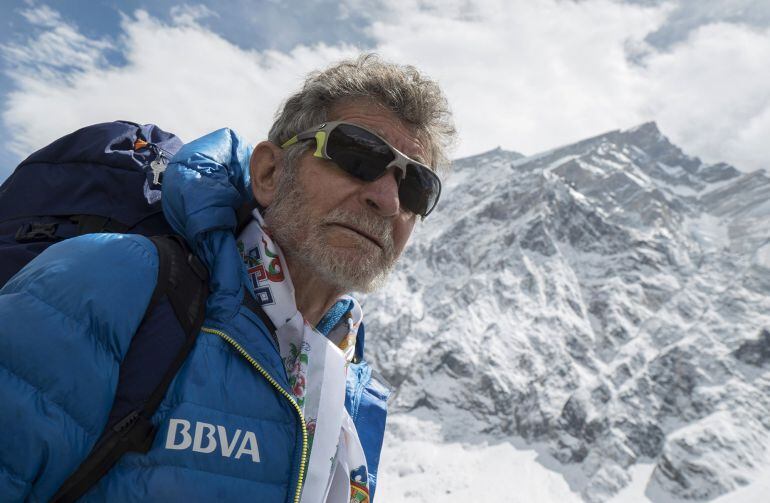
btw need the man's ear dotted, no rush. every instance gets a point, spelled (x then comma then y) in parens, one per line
(265, 168)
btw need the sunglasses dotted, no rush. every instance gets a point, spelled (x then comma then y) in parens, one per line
(364, 155)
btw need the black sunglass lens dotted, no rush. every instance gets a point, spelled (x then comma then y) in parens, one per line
(358, 152)
(419, 190)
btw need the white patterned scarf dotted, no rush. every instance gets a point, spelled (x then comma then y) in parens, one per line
(316, 366)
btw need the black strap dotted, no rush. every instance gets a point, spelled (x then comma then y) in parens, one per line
(89, 224)
(57, 227)
(243, 216)
(183, 279)
(255, 308)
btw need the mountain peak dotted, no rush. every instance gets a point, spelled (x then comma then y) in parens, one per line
(497, 153)
(650, 128)
(602, 300)
(651, 140)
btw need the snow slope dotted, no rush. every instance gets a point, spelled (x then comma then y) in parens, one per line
(581, 323)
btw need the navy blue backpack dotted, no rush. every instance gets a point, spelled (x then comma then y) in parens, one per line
(101, 178)
(108, 178)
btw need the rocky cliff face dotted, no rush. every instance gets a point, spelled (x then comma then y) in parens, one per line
(609, 300)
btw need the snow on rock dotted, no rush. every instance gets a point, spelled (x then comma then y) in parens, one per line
(604, 301)
(712, 456)
(709, 231)
(755, 351)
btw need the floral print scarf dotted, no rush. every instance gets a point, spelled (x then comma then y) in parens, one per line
(316, 360)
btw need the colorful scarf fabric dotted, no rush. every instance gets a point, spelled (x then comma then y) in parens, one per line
(316, 360)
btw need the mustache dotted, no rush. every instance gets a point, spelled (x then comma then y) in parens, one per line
(373, 225)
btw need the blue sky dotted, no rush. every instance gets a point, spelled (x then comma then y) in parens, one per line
(526, 75)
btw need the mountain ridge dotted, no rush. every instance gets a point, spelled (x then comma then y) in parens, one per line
(592, 298)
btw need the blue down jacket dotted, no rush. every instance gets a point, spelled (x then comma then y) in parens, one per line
(228, 429)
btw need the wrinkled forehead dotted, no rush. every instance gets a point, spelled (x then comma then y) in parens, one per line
(385, 123)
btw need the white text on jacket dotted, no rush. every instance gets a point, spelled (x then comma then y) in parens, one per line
(203, 440)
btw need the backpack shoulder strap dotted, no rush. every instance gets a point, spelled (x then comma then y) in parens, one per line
(155, 355)
(253, 306)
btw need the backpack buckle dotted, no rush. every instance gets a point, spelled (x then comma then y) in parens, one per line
(37, 231)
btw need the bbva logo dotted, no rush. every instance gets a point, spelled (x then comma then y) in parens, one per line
(203, 439)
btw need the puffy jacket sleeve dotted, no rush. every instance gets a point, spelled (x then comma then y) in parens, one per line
(66, 321)
(204, 185)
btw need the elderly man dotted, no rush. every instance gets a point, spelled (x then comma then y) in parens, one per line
(274, 402)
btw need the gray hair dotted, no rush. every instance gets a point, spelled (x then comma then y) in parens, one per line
(415, 99)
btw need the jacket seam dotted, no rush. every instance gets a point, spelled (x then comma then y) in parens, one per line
(15, 475)
(82, 323)
(149, 465)
(171, 401)
(168, 407)
(147, 251)
(226, 348)
(203, 155)
(44, 395)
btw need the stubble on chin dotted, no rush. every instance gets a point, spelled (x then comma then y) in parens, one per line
(304, 238)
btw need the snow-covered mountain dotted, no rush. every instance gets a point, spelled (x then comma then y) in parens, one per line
(605, 304)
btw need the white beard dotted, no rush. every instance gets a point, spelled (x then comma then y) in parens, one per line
(302, 237)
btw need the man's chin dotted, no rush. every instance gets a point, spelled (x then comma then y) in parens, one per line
(349, 265)
(352, 273)
(365, 285)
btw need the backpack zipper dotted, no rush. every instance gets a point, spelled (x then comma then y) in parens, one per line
(303, 459)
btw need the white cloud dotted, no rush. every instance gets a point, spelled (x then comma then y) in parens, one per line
(58, 53)
(527, 75)
(532, 75)
(524, 74)
(184, 78)
(712, 93)
(42, 16)
(190, 14)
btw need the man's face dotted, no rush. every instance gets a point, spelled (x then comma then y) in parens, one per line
(347, 231)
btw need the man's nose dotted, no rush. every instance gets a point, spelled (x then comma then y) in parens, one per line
(382, 194)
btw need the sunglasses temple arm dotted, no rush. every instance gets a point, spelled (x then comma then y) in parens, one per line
(298, 138)
(291, 141)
